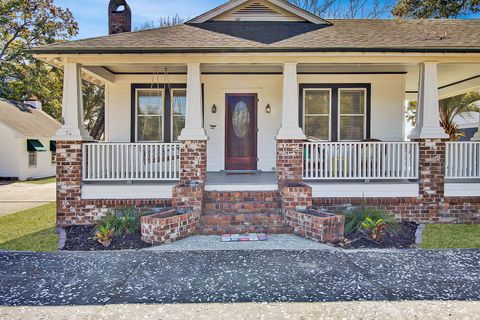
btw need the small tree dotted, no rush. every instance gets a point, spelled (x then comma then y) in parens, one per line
(369, 9)
(438, 9)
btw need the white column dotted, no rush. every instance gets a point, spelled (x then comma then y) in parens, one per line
(428, 115)
(73, 127)
(290, 128)
(194, 118)
(476, 136)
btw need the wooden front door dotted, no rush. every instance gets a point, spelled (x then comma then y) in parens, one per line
(241, 132)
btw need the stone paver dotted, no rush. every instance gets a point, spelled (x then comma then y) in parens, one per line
(273, 284)
(16, 197)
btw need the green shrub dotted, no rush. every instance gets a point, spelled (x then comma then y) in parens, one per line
(363, 219)
(123, 221)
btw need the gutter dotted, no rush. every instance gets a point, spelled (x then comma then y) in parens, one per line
(246, 50)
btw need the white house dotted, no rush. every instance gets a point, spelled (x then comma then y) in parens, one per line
(254, 95)
(28, 150)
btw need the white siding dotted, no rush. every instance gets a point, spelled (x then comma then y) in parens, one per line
(10, 153)
(387, 113)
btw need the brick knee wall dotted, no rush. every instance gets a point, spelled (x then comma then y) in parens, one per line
(452, 210)
(71, 208)
(193, 160)
(289, 160)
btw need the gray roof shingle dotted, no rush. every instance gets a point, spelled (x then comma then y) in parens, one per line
(26, 120)
(341, 35)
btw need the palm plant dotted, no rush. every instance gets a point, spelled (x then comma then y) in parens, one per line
(457, 106)
(450, 108)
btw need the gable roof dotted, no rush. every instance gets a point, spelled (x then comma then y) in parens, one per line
(342, 35)
(284, 5)
(26, 120)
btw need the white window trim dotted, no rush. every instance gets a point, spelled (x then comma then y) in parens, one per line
(136, 113)
(172, 113)
(340, 114)
(35, 157)
(319, 114)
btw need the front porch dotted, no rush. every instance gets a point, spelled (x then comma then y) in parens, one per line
(341, 134)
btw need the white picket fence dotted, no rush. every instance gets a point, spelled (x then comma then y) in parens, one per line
(131, 161)
(360, 160)
(462, 160)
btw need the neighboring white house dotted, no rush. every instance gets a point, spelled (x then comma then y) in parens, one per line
(26, 144)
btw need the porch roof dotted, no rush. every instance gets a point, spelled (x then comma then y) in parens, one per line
(343, 35)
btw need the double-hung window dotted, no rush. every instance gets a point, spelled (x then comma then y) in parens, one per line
(335, 112)
(317, 112)
(32, 159)
(150, 115)
(351, 118)
(179, 107)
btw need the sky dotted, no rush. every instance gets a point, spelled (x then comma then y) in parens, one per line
(92, 14)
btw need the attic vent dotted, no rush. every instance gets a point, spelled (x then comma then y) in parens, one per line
(255, 9)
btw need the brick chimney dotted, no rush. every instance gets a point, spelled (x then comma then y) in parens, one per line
(119, 17)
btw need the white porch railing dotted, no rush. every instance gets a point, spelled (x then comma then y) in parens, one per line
(131, 161)
(462, 160)
(360, 160)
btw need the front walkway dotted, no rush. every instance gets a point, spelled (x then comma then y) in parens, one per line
(314, 284)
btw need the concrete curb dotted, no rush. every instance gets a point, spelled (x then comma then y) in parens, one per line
(419, 235)
(62, 238)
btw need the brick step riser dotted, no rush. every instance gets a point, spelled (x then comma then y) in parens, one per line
(239, 207)
(249, 219)
(247, 196)
(243, 229)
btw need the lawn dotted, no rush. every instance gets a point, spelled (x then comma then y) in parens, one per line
(437, 236)
(40, 181)
(30, 230)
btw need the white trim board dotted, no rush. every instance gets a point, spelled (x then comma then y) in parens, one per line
(127, 191)
(364, 190)
(466, 189)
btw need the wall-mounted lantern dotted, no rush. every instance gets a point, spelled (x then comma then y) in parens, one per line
(268, 109)
(214, 108)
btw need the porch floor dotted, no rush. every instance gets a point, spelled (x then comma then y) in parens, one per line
(258, 181)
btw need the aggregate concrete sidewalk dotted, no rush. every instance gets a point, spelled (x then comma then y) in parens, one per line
(274, 284)
(16, 197)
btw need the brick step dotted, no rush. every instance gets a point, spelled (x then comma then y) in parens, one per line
(221, 219)
(242, 207)
(205, 230)
(261, 196)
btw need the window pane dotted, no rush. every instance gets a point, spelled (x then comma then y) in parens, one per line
(351, 128)
(150, 102)
(317, 127)
(178, 125)
(179, 101)
(317, 102)
(352, 101)
(149, 128)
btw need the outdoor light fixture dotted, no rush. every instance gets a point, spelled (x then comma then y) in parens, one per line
(268, 109)
(214, 108)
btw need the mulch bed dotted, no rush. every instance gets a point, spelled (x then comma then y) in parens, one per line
(403, 240)
(79, 238)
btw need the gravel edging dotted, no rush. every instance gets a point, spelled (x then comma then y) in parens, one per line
(62, 238)
(419, 235)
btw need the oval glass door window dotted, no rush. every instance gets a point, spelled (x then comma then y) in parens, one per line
(241, 119)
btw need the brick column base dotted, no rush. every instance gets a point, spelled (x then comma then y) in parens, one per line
(186, 196)
(296, 196)
(431, 177)
(193, 160)
(69, 183)
(289, 161)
